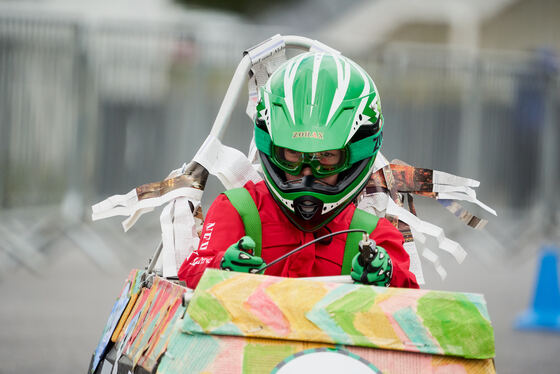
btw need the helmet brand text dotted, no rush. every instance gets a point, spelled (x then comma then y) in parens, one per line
(308, 134)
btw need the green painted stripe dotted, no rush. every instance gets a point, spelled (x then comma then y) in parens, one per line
(344, 310)
(457, 324)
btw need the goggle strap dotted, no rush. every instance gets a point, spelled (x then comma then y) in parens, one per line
(262, 141)
(362, 149)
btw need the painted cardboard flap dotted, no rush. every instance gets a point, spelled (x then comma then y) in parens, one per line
(426, 321)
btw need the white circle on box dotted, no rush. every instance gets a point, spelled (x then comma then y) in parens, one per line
(325, 361)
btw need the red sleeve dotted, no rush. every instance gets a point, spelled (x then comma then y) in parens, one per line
(222, 227)
(390, 239)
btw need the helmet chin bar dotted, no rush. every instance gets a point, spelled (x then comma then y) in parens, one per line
(307, 215)
(306, 207)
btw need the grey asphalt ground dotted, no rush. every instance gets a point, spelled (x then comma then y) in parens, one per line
(50, 322)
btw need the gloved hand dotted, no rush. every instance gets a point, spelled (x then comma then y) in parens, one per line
(373, 268)
(239, 257)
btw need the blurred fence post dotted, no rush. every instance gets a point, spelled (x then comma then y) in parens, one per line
(550, 157)
(470, 117)
(5, 118)
(74, 201)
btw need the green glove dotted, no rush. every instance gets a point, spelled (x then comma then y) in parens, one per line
(377, 270)
(239, 257)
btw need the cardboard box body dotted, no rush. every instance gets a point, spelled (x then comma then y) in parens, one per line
(242, 323)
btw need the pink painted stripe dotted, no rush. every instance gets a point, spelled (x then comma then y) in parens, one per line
(264, 308)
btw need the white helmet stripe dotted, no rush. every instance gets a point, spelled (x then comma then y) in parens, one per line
(289, 76)
(375, 103)
(343, 80)
(315, 76)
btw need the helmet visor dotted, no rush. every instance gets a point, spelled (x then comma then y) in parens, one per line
(322, 164)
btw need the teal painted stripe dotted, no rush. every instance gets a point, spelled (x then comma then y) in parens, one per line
(335, 294)
(321, 318)
(415, 330)
(188, 325)
(227, 329)
(189, 353)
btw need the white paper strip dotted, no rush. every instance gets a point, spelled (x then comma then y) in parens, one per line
(380, 162)
(178, 234)
(444, 188)
(444, 243)
(184, 229)
(459, 196)
(114, 201)
(128, 205)
(440, 177)
(380, 202)
(134, 205)
(434, 259)
(230, 165)
(130, 221)
(167, 255)
(377, 204)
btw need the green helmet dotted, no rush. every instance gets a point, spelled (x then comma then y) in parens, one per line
(320, 111)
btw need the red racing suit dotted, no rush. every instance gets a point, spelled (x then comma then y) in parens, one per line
(223, 227)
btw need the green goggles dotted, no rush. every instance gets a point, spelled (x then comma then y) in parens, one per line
(322, 164)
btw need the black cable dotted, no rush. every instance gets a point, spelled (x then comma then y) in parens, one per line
(309, 243)
(323, 231)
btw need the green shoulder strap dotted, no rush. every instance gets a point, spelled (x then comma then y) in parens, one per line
(242, 201)
(360, 220)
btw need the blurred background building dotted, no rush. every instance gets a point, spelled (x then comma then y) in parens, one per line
(99, 97)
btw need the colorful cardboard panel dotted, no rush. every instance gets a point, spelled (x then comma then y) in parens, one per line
(433, 322)
(145, 326)
(116, 314)
(239, 323)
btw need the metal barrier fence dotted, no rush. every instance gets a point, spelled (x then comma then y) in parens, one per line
(99, 109)
(93, 109)
(483, 115)
(38, 109)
